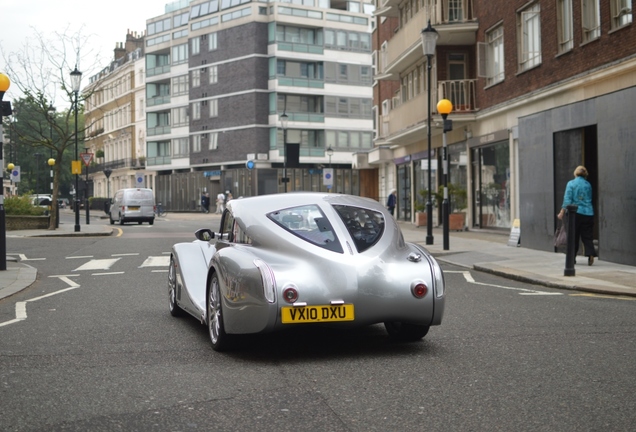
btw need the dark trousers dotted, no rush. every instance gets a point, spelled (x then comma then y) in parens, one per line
(584, 231)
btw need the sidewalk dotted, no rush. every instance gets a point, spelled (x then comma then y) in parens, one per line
(485, 251)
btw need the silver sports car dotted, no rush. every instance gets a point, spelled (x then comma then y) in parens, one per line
(305, 259)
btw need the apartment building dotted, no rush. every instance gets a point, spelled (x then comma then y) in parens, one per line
(116, 122)
(402, 75)
(538, 87)
(223, 75)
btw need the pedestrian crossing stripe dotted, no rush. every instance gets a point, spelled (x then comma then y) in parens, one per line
(156, 261)
(98, 264)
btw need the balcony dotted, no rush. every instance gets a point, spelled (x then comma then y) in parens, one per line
(404, 123)
(454, 22)
(301, 82)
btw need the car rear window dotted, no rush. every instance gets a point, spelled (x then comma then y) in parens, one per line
(308, 223)
(365, 226)
(143, 196)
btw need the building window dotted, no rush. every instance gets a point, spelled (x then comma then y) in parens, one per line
(495, 56)
(212, 42)
(214, 107)
(529, 31)
(214, 140)
(180, 147)
(621, 13)
(196, 45)
(179, 117)
(196, 111)
(213, 74)
(591, 20)
(180, 85)
(196, 143)
(179, 54)
(564, 25)
(196, 78)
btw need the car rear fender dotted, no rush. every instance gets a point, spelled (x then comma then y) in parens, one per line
(247, 308)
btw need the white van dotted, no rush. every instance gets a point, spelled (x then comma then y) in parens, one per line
(133, 205)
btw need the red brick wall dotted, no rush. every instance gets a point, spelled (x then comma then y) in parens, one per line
(609, 48)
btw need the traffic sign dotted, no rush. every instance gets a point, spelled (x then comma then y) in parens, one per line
(87, 158)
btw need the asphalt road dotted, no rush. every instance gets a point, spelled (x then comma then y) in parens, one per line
(100, 352)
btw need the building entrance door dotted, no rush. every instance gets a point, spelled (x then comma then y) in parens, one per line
(404, 191)
(573, 148)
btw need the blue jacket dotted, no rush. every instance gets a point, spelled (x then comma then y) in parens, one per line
(579, 192)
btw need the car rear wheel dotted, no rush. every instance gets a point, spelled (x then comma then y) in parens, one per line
(405, 332)
(112, 222)
(175, 310)
(151, 221)
(121, 220)
(218, 337)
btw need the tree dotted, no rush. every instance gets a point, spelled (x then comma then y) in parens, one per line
(39, 71)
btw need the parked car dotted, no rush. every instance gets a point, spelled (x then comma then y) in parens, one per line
(133, 205)
(285, 260)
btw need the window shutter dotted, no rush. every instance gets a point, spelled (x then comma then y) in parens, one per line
(482, 61)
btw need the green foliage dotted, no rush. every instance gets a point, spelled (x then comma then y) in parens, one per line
(22, 206)
(457, 195)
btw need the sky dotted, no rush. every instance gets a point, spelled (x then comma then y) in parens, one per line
(105, 23)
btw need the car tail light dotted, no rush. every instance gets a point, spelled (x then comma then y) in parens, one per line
(154, 209)
(419, 289)
(290, 294)
(268, 279)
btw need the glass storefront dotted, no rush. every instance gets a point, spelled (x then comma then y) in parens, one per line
(491, 185)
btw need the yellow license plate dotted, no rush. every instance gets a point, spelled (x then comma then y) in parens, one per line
(134, 208)
(322, 313)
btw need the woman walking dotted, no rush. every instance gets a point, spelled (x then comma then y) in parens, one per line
(579, 192)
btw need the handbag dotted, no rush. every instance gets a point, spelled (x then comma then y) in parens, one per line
(560, 236)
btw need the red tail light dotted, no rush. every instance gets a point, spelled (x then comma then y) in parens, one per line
(419, 290)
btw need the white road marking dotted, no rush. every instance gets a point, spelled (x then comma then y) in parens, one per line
(469, 278)
(20, 307)
(78, 257)
(106, 274)
(126, 254)
(156, 261)
(24, 258)
(98, 264)
(159, 271)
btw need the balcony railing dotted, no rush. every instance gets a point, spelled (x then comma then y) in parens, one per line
(158, 100)
(461, 93)
(159, 160)
(119, 163)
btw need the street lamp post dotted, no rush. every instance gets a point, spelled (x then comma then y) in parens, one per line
(86, 202)
(51, 113)
(76, 78)
(329, 153)
(54, 204)
(429, 39)
(444, 107)
(5, 82)
(283, 122)
(37, 178)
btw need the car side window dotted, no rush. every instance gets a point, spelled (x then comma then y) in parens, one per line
(227, 226)
(308, 223)
(365, 226)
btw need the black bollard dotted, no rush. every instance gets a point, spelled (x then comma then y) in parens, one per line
(569, 255)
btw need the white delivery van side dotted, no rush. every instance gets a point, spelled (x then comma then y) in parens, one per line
(133, 205)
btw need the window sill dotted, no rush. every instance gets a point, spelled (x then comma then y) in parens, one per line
(528, 70)
(614, 30)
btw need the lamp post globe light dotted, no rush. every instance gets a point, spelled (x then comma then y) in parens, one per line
(76, 78)
(444, 107)
(283, 122)
(429, 39)
(329, 153)
(5, 82)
